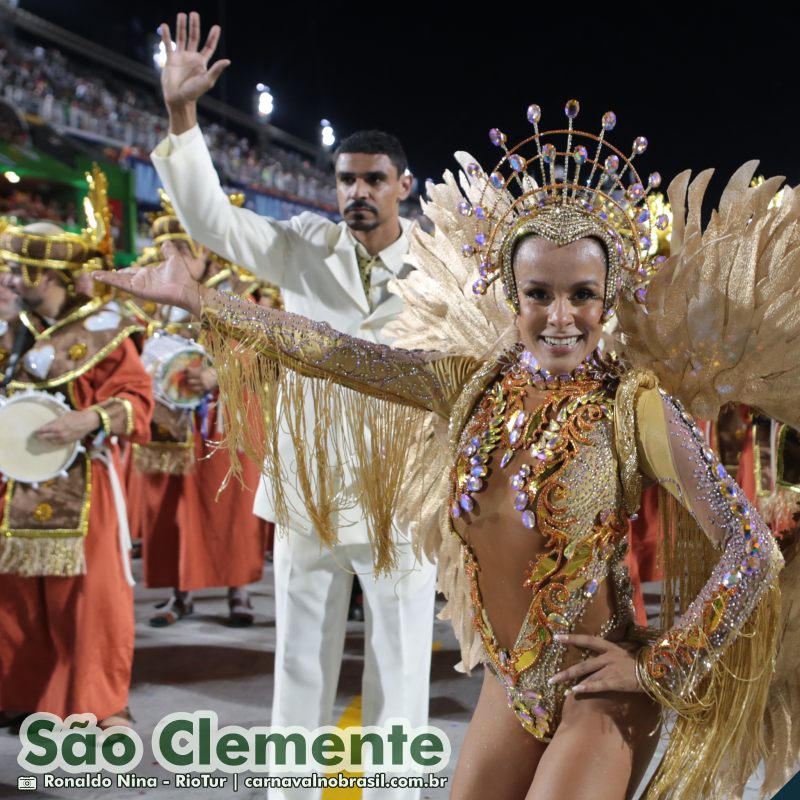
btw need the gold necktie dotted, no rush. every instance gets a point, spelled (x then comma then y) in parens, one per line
(365, 265)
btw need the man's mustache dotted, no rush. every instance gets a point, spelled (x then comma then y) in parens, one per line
(360, 205)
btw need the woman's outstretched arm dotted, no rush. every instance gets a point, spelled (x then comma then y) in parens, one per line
(421, 379)
(424, 380)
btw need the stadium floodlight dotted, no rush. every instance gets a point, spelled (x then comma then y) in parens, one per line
(265, 102)
(160, 54)
(11, 177)
(328, 136)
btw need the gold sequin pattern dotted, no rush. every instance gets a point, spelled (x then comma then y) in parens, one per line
(577, 508)
(43, 512)
(77, 351)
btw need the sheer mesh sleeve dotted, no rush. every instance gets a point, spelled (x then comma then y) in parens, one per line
(354, 412)
(672, 450)
(425, 380)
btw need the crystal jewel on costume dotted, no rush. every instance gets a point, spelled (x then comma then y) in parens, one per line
(517, 429)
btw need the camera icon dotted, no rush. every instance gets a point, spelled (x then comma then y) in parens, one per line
(26, 783)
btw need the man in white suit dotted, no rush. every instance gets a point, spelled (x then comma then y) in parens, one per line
(336, 273)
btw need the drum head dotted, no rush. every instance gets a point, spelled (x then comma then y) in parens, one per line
(23, 457)
(172, 378)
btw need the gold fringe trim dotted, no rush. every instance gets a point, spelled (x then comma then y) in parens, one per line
(170, 459)
(38, 556)
(425, 491)
(782, 720)
(384, 438)
(424, 511)
(337, 434)
(717, 739)
(686, 557)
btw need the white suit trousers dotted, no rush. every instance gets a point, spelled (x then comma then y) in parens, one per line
(312, 594)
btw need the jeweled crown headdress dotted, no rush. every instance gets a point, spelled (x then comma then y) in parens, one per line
(510, 202)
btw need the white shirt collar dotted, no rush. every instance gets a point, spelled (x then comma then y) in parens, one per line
(393, 256)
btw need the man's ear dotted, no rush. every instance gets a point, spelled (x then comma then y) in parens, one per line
(406, 182)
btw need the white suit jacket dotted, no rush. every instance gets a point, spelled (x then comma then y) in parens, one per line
(311, 259)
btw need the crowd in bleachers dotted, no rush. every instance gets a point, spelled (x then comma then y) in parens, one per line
(44, 82)
(29, 206)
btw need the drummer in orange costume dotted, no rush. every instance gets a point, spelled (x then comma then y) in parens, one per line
(66, 600)
(192, 537)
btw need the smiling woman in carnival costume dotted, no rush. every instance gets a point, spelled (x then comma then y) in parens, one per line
(522, 450)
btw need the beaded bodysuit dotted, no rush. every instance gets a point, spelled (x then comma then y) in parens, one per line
(544, 475)
(540, 463)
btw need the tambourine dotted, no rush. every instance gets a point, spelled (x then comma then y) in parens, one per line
(167, 358)
(24, 457)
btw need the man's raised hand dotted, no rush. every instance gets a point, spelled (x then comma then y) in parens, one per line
(186, 75)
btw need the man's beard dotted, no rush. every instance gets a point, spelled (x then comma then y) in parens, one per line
(361, 224)
(365, 222)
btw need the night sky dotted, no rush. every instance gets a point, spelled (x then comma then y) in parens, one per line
(711, 86)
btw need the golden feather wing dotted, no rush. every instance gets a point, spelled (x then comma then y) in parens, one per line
(721, 321)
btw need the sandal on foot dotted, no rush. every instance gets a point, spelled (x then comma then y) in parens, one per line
(122, 719)
(240, 609)
(171, 611)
